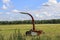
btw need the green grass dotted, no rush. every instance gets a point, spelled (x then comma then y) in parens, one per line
(52, 31)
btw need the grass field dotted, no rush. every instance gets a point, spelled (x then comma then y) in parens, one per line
(52, 31)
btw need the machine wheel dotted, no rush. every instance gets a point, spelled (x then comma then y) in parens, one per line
(28, 33)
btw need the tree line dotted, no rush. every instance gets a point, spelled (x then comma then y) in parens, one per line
(53, 21)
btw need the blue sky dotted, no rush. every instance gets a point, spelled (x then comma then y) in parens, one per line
(29, 4)
(35, 7)
(25, 4)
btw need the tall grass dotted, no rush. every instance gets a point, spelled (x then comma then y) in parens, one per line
(1, 37)
(16, 35)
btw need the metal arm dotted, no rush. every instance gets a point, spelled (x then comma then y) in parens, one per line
(32, 19)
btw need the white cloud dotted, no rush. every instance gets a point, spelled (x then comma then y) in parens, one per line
(50, 2)
(8, 13)
(4, 7)
(7, 4)
(15, 11)
(51, 10)
(39, 16)
(47, 14)
(0, 12)
(53, 1)
(6, 1)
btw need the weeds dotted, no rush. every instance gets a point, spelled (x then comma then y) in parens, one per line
(1, 37)
(57, 37)
(16, 35)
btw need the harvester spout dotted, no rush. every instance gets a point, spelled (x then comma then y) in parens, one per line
(33, 23)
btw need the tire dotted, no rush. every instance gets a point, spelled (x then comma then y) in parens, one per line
(28, 33)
